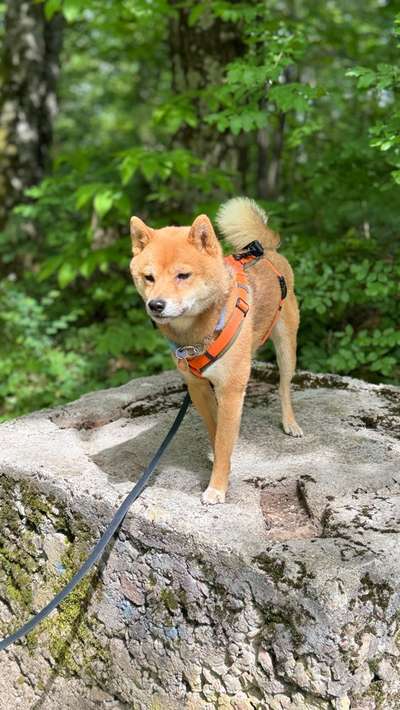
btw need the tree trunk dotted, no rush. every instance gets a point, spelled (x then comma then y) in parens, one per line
(198, 55)
(275, 170)
(28, 104)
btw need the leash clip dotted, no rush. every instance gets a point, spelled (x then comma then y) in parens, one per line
(188, 351)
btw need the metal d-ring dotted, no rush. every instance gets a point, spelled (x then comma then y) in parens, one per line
(187, 351)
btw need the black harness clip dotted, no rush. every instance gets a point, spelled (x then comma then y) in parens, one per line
(282, 284)
(254, 249)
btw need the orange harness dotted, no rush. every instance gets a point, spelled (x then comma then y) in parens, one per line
(197, 362)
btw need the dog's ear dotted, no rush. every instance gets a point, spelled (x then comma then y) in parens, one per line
(202, 235)
(141, 235)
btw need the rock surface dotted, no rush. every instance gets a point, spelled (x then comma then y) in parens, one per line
(286, 597)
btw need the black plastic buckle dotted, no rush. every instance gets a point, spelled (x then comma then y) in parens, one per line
(282, 284)
(255, 249)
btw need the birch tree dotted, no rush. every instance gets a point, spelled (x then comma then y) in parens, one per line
(29, 69)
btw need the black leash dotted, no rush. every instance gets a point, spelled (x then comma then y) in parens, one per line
(106, 536)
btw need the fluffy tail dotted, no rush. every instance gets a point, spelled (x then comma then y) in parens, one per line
(241, 221)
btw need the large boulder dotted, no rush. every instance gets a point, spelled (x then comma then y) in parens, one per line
(286, 597)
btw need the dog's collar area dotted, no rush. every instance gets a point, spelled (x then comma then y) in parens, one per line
(197, 358)
(183, 352)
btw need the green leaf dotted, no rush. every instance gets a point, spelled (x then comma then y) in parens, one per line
(293, 96)
(85, 194)
(66, 274)
(103, 202)
(49, 267)
(129, 165)
(51, 7)
(72, 9)
(196, 12)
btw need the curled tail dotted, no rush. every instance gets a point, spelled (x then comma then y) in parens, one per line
(241, 221)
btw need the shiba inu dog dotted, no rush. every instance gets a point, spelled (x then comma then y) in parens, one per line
(217, 311)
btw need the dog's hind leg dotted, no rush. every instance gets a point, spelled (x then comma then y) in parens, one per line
(284, 337)
(203, 398)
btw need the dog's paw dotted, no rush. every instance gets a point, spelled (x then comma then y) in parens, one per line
(211, 496)
(292, 428)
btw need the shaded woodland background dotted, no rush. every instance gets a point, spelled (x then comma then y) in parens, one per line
(114, 107)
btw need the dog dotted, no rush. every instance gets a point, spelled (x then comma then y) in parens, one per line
(188, 287)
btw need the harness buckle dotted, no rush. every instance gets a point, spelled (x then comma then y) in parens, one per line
(242, 305)
(282, 284)
(183, 352)
(254, 249)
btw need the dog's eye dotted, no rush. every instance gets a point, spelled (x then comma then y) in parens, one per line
(149, 278)
(183, 277)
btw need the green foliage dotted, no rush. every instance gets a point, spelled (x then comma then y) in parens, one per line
(384, 82)
(166, 110)
(253, 87)
(32, 370)
(50, 355)
(343, 286)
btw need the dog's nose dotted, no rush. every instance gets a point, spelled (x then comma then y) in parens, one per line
(157, 306)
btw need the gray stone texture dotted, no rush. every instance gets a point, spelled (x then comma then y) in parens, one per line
(287, 597)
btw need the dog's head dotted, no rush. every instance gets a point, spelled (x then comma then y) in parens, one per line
(178, 271)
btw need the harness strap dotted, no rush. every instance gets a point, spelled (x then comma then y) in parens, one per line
(282, 284)
(232, 328)
(198, 363)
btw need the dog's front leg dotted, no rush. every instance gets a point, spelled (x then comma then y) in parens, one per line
(230, 403)
(203, 398)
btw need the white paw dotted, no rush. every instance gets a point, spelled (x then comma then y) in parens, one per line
(211, 496)
(292, 428)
